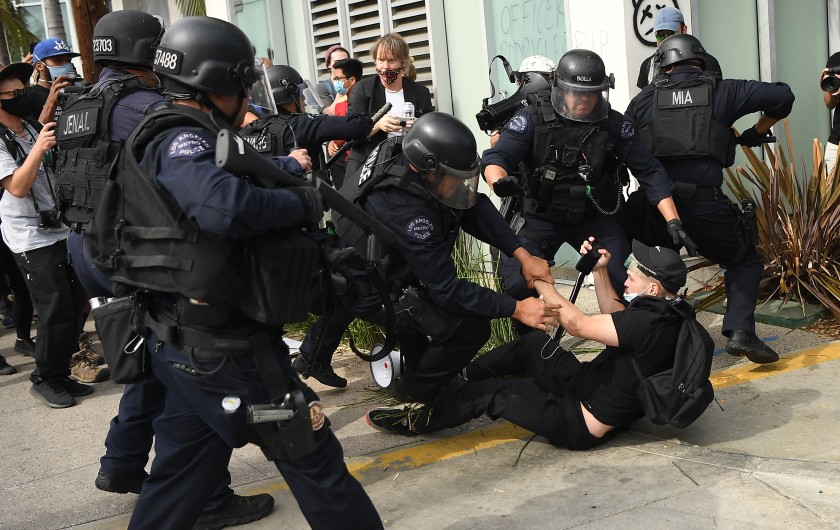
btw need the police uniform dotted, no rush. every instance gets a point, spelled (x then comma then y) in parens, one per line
(558, 207)
(426, 232)
(279, 134)
(204, 353)
(694, 159)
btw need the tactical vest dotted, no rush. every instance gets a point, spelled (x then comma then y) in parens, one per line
(682, 126)
(266, 134)
(380, 172)
(86, 150)
(141, 237)
(573, 166)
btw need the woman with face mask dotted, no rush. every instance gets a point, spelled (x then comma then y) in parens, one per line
(392, 84)
(52, 59)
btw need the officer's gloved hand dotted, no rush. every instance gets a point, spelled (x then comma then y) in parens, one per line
(753, 138)
(507, 186)
(680, 237)
(313, 206)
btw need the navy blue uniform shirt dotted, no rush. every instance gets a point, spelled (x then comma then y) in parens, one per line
(218, 201)
(422, 241)
(130, 109)
(310, 131)
(517, 138)
(732, 99)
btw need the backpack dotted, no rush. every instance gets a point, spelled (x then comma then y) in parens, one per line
(679, 395)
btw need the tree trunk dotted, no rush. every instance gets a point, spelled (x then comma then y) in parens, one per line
(55, 22)
(4, 48)
(86, 13)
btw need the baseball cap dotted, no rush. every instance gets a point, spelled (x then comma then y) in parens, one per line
(537, 63)
(668, 18)
(50, 48)
(661, 263)
(331, 49)
(22, 71)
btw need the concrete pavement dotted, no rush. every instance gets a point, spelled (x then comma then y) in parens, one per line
(769, 459)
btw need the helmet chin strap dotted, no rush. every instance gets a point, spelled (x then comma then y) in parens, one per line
(215, 111)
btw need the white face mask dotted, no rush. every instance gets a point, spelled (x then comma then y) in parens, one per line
(629, 297)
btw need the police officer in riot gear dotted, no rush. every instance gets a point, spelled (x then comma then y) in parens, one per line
(93, 128)
(425, 191)
(575, 147)
(290, 128)
(688, 130)
(214, 341)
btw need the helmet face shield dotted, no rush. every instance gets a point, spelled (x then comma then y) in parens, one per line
(454, 188)
(261, 97)
(579, 103)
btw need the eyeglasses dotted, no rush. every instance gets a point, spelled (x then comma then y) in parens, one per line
(16, 92)
(339, 78)
(632, 263)
(664, 34)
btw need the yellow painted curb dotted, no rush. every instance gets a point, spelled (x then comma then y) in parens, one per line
(744, 373)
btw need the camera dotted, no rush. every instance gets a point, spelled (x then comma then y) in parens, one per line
(830, 83)
(48, 220)
(75, 79)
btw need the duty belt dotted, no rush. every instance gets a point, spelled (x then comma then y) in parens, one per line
(210, 347)
(698, 193)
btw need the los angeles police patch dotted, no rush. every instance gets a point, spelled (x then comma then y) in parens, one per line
(420, 228)
(517, 124)
(627, 130)
(187, 144)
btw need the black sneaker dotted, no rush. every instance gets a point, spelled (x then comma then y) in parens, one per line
(323, 373)
(74, 388)
(6, 368)
(25, 347)
(393, 420)
(114, 483)
(53, 394)
(241, 510)
(746, 343)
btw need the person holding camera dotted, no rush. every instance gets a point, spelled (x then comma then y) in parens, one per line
(52, 59)
(575, 149)
(830, 84)
(690, 133)
(32, 230)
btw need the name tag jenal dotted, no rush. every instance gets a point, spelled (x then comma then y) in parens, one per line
(78, 123)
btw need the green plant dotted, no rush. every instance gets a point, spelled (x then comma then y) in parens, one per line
(798, 217)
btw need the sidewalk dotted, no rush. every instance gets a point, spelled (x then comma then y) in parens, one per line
(770, 459)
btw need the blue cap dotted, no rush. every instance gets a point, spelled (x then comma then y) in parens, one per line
(50, 48)
(668, 18)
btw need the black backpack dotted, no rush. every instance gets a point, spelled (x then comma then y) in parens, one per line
(679, 395)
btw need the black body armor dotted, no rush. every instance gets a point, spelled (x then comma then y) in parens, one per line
(266, 134)
(272, 278)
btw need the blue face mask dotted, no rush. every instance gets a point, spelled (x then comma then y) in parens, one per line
(629, 297)
(56, 71)
(339, 87)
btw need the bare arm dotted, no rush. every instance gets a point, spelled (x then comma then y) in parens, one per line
(492, 173)
(599, 328)
(21, 180)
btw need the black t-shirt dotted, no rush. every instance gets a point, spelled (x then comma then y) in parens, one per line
(38, 95)
(712, 68)
(607, 385)
(834, 136)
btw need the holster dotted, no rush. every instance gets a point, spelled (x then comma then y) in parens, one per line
(426, 316)
(746, 228)
(292, 438)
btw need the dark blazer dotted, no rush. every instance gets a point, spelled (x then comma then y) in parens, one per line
(367, 97)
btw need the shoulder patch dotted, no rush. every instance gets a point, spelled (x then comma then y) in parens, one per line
(627, 130)
(517, 123)
(420, 228)
(188, 144)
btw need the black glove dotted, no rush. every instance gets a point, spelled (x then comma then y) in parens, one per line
(313, 206)
(507, 186)
(680, 237)
(753, 138)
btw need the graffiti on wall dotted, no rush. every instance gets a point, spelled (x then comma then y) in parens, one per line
(643, 13)
(529, 27)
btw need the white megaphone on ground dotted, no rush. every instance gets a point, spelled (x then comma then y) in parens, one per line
(386, 369)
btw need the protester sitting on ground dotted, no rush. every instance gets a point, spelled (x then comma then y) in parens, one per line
(576, 405)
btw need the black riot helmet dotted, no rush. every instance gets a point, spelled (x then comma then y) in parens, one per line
(678, 48)
(443, 150)
(207, 55)
(286, 84)
(127, 37)
(581, 86)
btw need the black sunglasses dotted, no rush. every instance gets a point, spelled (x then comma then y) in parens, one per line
(16, 92)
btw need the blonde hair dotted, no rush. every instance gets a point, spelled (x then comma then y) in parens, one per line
(396, 45)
